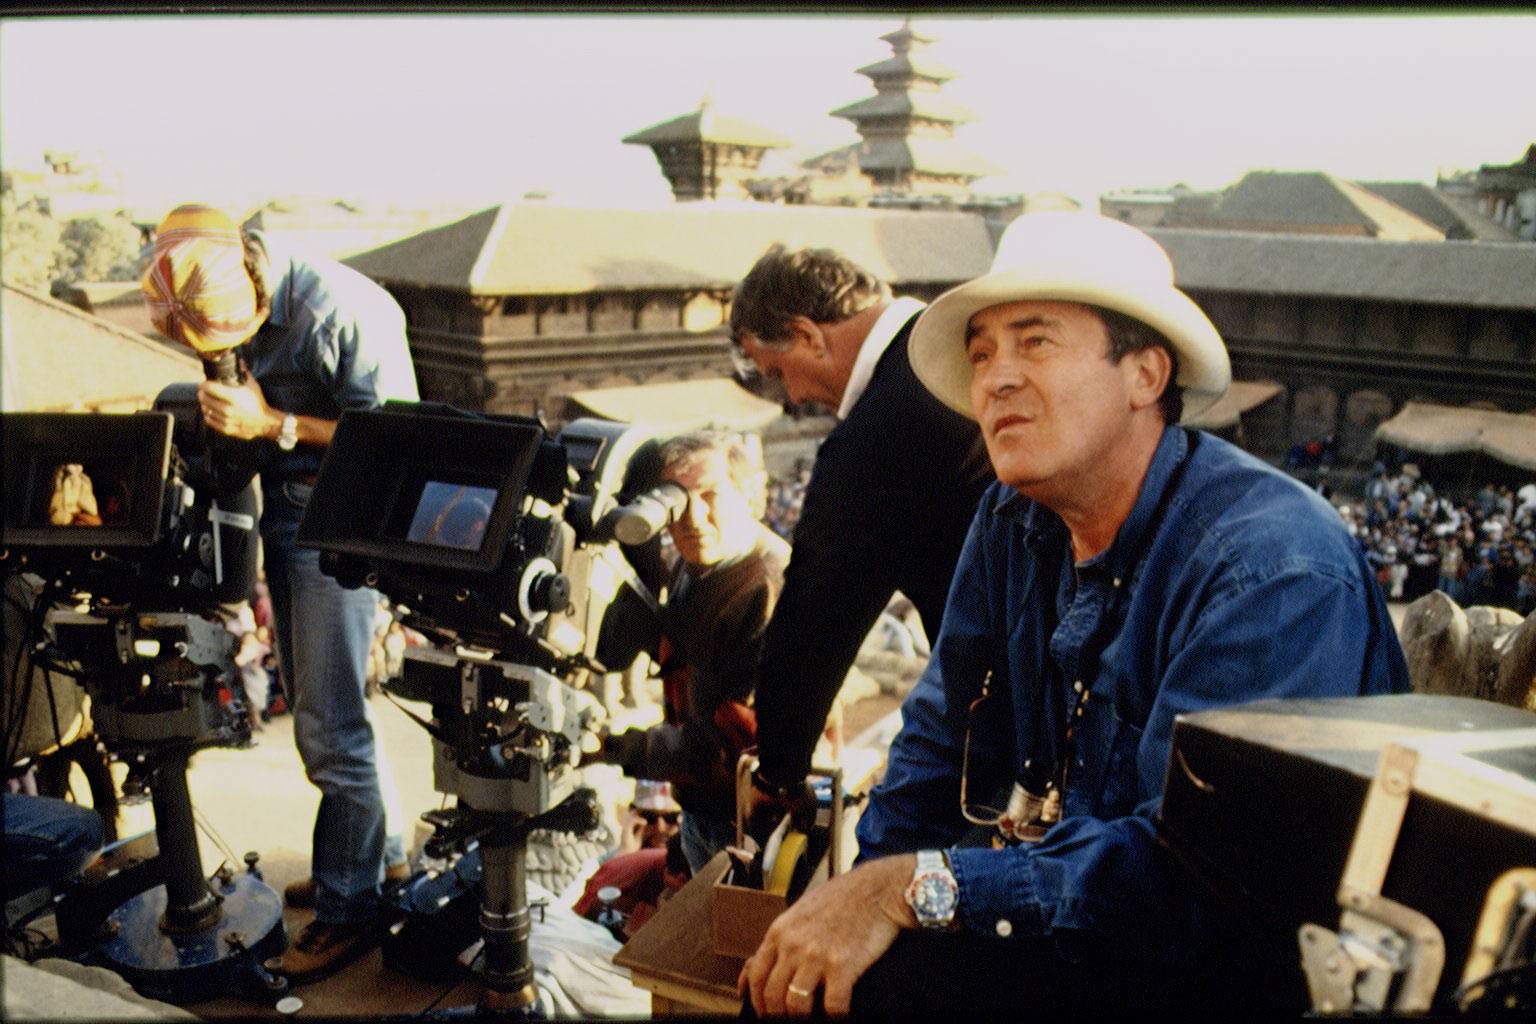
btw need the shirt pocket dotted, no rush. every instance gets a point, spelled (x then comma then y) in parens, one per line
(1105, 762)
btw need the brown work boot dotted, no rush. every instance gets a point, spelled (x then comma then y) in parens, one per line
(323, 949)
(300, 895)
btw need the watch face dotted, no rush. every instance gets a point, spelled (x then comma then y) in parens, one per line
(935, 897)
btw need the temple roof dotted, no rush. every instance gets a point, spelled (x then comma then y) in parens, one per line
(1311, 198)
(518, 249)
(907, 65)
(1452, 215)
(934, 156)
(902, 38)
(1490, 275)
(57, 357)
(708, 125)
(914, 103)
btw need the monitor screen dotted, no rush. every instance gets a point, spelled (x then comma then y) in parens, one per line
(450, 515)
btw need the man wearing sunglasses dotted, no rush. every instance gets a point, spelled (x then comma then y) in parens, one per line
(889, 499)
(1122, 571)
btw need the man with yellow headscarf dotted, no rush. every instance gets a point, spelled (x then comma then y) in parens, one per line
(313, 338)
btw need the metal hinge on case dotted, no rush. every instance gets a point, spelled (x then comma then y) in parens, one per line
(1381, 946)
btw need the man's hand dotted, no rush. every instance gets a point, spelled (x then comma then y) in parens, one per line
(829, 937)
(240, 411)
(765, 810)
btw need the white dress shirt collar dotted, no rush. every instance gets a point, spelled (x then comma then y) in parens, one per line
(876, 342)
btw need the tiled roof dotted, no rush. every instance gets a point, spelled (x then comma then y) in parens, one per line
(902, 104)
(708, 125)
(908, 65)
(935, 156)
(1434, 207)
(58, 357)
(550, 250)
(1493, 275)
(1308, 199)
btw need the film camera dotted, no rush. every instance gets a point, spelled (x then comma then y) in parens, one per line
(531, 561)
(124, 534)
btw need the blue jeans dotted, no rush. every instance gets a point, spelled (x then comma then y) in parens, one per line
(323, 633)
(46, 840)
(703, 837)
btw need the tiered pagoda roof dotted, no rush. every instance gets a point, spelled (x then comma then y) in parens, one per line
(908, 126)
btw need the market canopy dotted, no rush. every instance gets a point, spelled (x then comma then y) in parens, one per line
(1444, 430)
(716, 403)
(1241, 397)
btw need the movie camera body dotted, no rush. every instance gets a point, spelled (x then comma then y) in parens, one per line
(127, 533)
(507, 548)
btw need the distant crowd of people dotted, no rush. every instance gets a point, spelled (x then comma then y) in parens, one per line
(785, 497)
(1479, 551)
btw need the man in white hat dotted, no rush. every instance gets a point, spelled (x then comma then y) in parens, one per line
(1122, 571)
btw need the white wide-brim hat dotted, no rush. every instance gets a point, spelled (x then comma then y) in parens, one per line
(1071, 256)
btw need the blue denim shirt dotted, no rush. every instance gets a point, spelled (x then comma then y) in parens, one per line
(1250, 588)
(335, 340)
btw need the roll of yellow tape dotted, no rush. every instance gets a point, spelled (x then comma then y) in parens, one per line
(790, 852)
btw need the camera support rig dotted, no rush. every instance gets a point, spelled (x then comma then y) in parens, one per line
(125, 598)
(527, 597)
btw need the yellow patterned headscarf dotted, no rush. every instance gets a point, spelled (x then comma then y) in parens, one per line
(197, 286)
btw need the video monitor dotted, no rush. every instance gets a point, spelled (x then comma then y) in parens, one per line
(451, 515)
(409, 488)
(91, 480)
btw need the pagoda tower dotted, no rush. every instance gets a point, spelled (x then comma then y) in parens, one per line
(908, 127)
(707, 155)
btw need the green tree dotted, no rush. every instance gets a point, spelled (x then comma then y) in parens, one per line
(29, 245)
(99, 249)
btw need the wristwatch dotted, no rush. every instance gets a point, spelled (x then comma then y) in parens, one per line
(288, 436)
(934, 893)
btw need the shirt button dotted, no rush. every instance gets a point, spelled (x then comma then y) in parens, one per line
(1004, 928)
(1117, 581)
(1078, 686)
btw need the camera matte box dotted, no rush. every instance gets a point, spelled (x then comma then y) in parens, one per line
(1262, 802)
(138, 444)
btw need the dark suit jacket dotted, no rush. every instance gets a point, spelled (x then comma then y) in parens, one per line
(889, 502)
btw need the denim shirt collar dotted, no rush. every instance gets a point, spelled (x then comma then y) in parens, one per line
(1041, 525)
(280, 280)
(1119, 559)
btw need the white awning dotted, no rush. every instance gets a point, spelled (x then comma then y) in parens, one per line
(1442, 430)
(1244, 395)
(716, 403)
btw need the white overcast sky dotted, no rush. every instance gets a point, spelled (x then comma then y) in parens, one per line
(426, 108)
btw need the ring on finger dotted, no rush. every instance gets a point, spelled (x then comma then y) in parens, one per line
(801, 992)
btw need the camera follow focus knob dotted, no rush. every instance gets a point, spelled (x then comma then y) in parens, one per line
(542, 589)
(551, 592)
